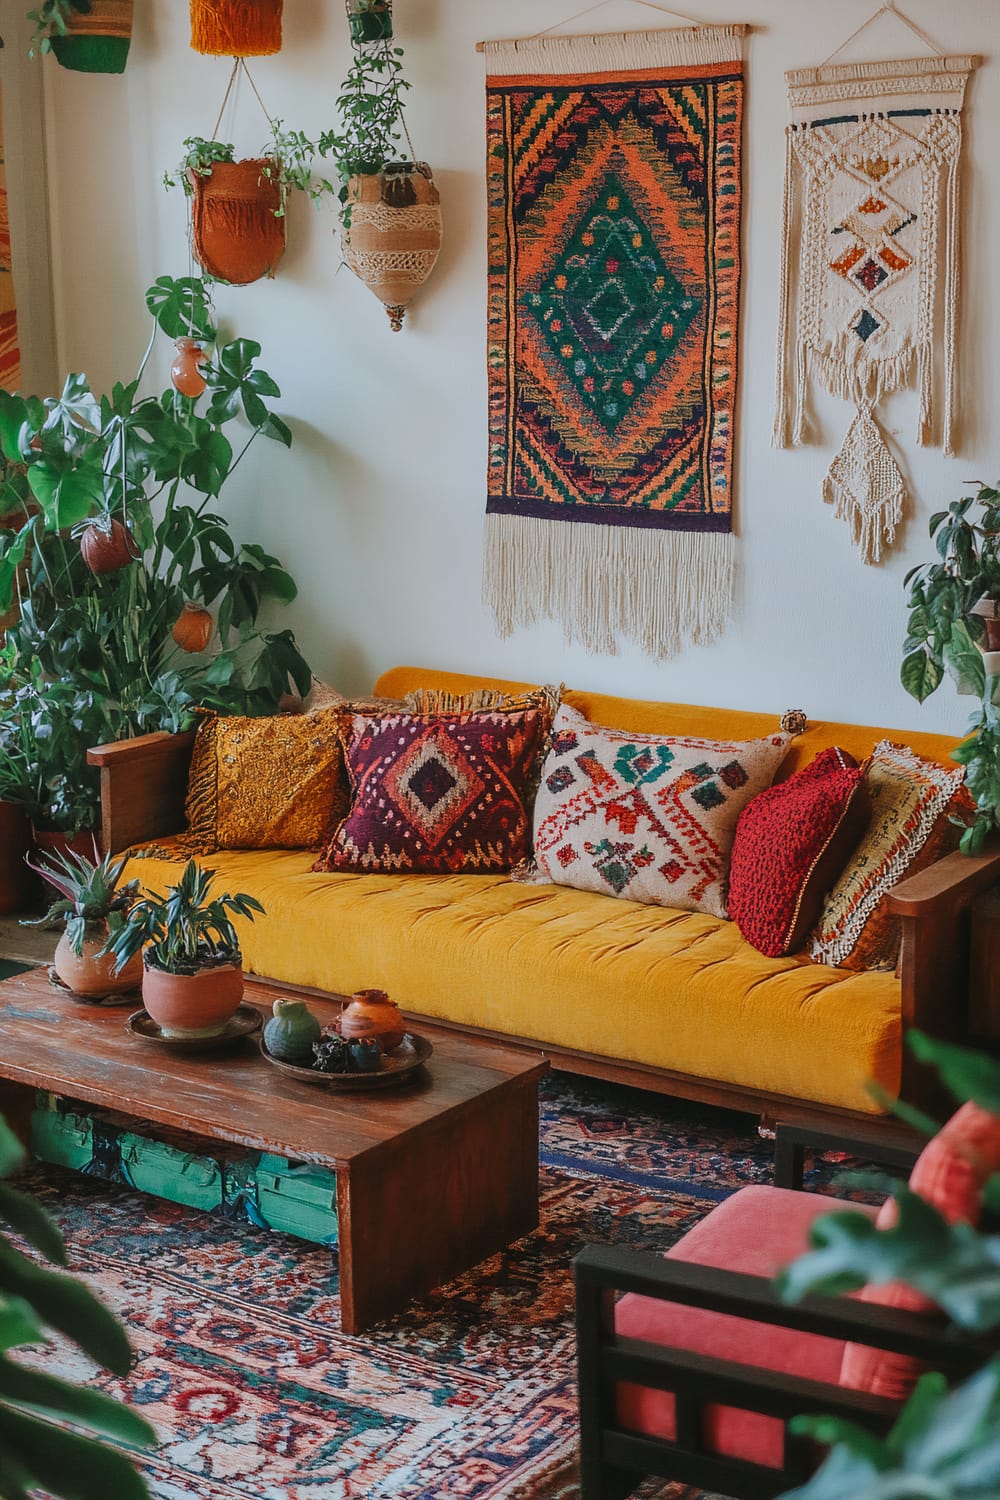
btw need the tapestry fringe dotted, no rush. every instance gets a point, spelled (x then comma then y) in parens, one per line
(662, 589)
(616, 51)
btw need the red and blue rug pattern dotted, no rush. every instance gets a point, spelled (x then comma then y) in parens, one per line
(256, 1393)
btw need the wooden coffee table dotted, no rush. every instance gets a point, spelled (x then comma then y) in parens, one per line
(432, 1177)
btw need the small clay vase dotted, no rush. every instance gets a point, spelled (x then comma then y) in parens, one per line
(185, 372)
(291, 1031)
(92, 975)
(372, 1014)
(365, 1054)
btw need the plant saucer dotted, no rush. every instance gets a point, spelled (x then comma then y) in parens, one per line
(246, 1022)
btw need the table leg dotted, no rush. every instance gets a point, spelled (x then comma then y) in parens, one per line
(416, 1211)
(17, 1100)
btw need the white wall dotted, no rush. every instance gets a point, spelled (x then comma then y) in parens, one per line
(378, 510)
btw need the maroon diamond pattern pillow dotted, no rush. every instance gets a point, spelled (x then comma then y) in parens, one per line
(438, 793)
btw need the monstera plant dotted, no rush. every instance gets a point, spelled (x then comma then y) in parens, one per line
(110, 527)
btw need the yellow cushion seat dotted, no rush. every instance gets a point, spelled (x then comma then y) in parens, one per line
(677, 990)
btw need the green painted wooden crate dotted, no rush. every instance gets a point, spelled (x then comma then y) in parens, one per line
(63, 1137)
(183, 1169)
(298, 1198)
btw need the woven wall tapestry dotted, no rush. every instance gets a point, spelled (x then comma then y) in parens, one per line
(613, 174)
(870, 257)
(10, 357)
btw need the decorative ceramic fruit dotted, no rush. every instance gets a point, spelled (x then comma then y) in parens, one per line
(192, 1005)
(394, 236)
(372, 1014)
(185, 372)
(291, 1031)
(194, 627)
(330, 1054)
(92, 974)
(365, 1055)
(106, 547)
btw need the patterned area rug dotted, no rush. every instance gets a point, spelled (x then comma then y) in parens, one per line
(257, 1395)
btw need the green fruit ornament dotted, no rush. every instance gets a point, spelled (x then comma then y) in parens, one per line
(291, 1031)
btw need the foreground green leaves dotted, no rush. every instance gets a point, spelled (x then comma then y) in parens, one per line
(37, 1451)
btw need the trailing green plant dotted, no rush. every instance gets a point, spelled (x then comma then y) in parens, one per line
(90, 896)
(38, 1450)
(945, 1444)
(183, 931)
(92, 657)
(372, 123)
(290, 155)
(944, 636)
(51, 19)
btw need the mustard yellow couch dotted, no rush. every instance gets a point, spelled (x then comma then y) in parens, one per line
(670, 999)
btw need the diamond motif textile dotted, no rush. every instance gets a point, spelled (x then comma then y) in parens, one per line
(642, 817)
(614, 181)
(439, 793)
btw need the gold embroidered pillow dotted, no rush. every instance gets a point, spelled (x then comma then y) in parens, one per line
(646, 817)
(269, 783)
(913, 801)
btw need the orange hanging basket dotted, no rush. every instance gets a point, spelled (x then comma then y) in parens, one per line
(236, 28)
(394, 237)
(238, 232)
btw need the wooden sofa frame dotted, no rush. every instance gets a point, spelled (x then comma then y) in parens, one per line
(143, 783)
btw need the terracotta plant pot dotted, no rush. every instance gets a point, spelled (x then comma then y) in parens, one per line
(192, 1005)
(236, 28)
(394, 237)
(98, 41)
(93, 976)
(185, 372)
(237, 232)
(53, 841)
(18, 885)
(369, 20)
(372, 1015)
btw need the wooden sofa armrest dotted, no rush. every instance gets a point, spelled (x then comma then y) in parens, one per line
(934, 910)
(612, 1457)
(143, 784)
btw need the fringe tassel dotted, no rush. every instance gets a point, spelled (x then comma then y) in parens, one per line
(236, 28)
(663, 589)
(951, 294)
(779, 434)
(866, 488)
(862, 385)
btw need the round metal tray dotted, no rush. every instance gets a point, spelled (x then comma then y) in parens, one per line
(397, 1067)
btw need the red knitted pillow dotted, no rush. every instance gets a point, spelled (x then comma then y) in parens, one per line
(792, 842)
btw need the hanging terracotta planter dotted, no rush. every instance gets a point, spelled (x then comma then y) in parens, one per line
(185, 372)
(106, 549)
(236, 28)
(96, 41)
(369, 20)
(236, 224)
(193, 629)
(394, 236)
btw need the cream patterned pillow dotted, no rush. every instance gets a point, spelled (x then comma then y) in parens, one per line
(646, 817)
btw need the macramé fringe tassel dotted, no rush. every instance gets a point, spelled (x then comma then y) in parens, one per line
(865, 487)
(663, 589)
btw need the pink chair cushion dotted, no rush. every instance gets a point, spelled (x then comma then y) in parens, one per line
(758, 1230)
(951, 1173)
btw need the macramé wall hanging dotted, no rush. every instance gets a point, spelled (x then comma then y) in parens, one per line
(614, 189)
(869, 265)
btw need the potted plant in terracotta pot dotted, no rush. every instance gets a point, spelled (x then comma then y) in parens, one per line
(369, 20)
(94, 908)
(391, 209)
(89, 36)
(192, 981)
(954, 627)
(238, 207)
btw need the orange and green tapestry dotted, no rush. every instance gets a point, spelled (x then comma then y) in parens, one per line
(10, 355)
(614, 183)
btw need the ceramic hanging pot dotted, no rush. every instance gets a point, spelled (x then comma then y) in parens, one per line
(107, 548)
(185, 372)
(369, 20)
(394, 236)
(237, 227)
(193, 628)
(236, 28)
(96, 40)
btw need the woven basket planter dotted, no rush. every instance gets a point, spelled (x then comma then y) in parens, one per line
(369, 20)
(97, 42)
(237, 233)
(394, 237)
(236, 28)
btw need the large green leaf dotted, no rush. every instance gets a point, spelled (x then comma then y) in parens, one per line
(920, 674)
(68, 1306)
(18, 1324)
(28, 1219)
(73, 1467)
(12, 1153)
(13, 415)
(964, 661)
(51, 1397)
(181, 306)
(66, 493)
(968, 1074)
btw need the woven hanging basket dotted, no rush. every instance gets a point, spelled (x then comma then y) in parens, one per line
(236, 28)
(98, 41)
(394, 237)
(237, 233)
